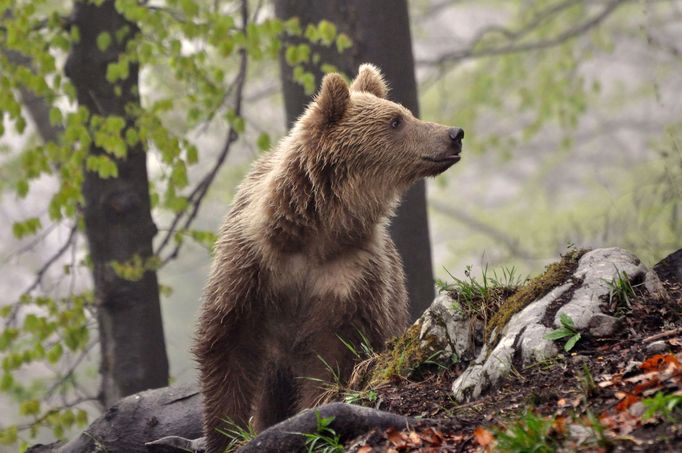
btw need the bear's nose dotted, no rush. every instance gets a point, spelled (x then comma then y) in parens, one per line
(456, 134)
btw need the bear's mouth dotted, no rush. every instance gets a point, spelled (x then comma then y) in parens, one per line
(451, 159)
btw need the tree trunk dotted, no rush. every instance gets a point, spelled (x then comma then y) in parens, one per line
(118, 222)
(386, 43)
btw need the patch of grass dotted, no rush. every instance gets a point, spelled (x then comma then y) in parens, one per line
(364, 351)
(324, 439)
(667, 407)
(332, 388)
(621, 292)
(555, 275)
(337, 388)
(238, 435)
(586, 381)
(530, 433)
(480, 298)
(360, 396)
(567, 329)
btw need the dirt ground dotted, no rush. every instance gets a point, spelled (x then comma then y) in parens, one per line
(593, 398)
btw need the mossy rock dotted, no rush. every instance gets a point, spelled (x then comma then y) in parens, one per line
(407, 354)
(555, 275)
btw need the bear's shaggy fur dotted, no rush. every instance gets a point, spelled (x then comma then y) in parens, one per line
(304, 258)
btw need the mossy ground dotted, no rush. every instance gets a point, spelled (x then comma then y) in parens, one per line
(406, 355)
(554, 275)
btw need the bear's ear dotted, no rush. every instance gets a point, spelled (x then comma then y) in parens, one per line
(369, 79)
(333, 98)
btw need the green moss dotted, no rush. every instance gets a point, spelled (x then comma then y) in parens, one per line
(402, 357)
(407, 354)
(555, 275)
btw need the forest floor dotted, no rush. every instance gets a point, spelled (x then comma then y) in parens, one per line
(622, 393)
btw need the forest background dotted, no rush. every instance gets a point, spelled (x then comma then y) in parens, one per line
(571, 108)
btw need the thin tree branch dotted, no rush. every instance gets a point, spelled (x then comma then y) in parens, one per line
(69, 372)
(196, 197)
(47, 414)
(510, 243)
(470, 52)
(41, 273)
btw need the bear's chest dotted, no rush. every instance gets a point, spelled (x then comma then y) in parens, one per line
(299, 279)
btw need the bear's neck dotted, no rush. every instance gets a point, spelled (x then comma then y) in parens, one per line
(321, 211)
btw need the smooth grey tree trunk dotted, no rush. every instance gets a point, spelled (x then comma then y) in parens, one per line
(380, 31)
(118, 222)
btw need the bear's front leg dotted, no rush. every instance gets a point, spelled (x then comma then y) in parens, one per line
(328, 361)
(230, 363)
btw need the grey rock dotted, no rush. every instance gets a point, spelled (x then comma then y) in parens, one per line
(602, 325)
(580, 434)
(597, 269)
(654, 286)
(637, 409)
(657, 347)
(445, 326)
(523, 338)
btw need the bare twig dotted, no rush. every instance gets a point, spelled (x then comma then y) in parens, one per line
(41, 273)
(482, 227)
(39, 237)
(471, 51)
(196, 197)
(69, 372)
(658, 336)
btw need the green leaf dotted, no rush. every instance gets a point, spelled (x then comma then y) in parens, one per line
(55, 353)
(327, 32)
(30, 407)
(22, 188)
(263, 141)
(571, 342)
(26, 228)
(343, 42)
(81, 417)
(55, 116)
(566, 321)
(103, 41)
(558, 334)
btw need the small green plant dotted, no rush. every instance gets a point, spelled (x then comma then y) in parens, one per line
(530, 433)
(360, 396)
(587, 384)
(324, 439)
(238, 435)
(567, 329)
(668, 407)
(621, 291)
(361, 352)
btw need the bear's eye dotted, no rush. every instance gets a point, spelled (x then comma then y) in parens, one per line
(395, 122)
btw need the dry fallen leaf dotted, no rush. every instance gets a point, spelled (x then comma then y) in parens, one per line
(365, 449)
(483, 436)
(559, 425)
(626, 402)
(396, 437)
(659, 362)
(432, 436)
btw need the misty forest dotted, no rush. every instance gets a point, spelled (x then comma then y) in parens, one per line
(543, 271)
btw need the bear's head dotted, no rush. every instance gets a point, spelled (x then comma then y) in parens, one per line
(355, 132)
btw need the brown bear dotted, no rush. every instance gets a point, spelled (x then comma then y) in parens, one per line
(304, 258)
